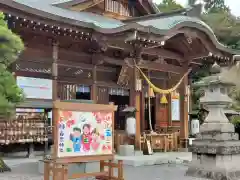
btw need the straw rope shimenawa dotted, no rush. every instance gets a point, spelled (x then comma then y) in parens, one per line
(159, 90)
(155, 88)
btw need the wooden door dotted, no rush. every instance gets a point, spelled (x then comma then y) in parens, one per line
(102, 95)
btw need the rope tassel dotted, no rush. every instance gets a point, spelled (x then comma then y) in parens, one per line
(163, 99)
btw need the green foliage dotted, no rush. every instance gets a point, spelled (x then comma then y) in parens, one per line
(10, 47)
(213, 6)
(226, 27)
(235, 95)
(236, 121)
(192, 2)
(169, 5)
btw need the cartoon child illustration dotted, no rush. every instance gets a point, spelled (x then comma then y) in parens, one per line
(95, 140)
(86, 141)
(76, 138)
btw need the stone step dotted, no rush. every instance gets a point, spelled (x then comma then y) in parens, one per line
(126, 150)
(138, 153)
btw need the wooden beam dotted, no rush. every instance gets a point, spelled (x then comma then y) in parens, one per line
(33, 74)
(161, 52)
(145, 64)
(85, 5)
(149, 65)
(156, 66)
(204, 39)
(74, 64)
(75, 80)
(158, 51)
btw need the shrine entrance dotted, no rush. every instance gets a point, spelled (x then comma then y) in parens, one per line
(83, 92)
(119, 97)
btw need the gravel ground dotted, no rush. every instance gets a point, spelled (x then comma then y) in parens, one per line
(29, 171)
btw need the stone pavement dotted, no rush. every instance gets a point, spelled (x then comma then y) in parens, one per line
(156, 159)
(27, 169)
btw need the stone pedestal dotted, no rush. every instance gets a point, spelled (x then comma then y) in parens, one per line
(216, 155)
(126, 150)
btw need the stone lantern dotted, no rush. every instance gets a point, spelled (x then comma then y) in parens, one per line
(216, 150)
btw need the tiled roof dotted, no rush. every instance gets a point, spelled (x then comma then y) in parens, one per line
(162, 23)
(157, 23)
(48, 7)
(166, 23)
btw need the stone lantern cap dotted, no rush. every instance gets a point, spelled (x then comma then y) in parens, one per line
(215, 79)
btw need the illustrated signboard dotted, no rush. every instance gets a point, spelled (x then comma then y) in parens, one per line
(84, 133)
(175, 106)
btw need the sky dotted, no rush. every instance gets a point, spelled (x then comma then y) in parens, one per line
(233, 4)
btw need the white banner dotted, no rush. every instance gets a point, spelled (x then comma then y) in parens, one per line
(175, 106)
(35, 88)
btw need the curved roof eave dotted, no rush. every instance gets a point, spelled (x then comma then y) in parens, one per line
(208, 31)
(111, 26)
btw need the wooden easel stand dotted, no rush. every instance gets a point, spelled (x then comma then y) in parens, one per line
(59, 171)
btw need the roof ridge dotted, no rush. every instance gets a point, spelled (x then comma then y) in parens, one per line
(158, 15)
(192, 11)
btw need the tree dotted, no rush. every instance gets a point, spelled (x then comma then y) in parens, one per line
(213, 6)
(192, 2)
(226, 27)
(10, 94)
(169, 5)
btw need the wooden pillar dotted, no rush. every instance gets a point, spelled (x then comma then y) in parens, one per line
(54, 91)
(54, 71)
(142, 107)
(183, 114)
(135, 101)
(169, 98)
(94, 85)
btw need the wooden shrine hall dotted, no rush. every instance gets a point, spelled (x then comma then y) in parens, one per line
(88, 49)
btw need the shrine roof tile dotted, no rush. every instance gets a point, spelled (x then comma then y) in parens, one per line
(87, 19)
(84, 17)
(157, 23)
(166, 23)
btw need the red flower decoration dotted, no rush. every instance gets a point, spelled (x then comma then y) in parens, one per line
(70, 123)
(98, 117)
(104, 148)
(102, 137)
(109, 147)
(66, 114)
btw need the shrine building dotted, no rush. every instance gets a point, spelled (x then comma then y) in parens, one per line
(88, 49)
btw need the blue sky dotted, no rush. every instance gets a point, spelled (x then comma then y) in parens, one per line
(233, 4)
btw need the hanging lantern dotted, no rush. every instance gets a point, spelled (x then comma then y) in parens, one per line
(138, 85)
(163, 99)
(150, 92)
(146, 94)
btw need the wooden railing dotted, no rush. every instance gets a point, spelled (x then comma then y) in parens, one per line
(118, 7)
(67, 91)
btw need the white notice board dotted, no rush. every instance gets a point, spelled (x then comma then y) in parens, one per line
(35, 88)
(175, 106)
